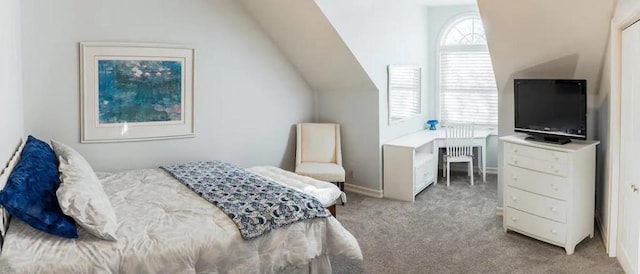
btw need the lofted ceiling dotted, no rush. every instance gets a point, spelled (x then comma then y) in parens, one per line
(547, 38)
(307, 38)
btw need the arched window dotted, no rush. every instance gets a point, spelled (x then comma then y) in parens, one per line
(468, 92)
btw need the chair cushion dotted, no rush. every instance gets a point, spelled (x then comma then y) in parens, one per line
(30, 193)
(81, 195)
(322, 171)
(319, 143)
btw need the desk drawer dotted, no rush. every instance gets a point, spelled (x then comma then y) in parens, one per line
(535, 225)
(421, 180)
(537, 182)
(535, 204)
(425, 173)
(538, 153)
(536, 164)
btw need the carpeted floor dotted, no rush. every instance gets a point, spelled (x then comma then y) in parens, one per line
(454, 230)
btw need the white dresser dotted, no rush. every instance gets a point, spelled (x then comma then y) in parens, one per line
(549, 190)
(410, 164)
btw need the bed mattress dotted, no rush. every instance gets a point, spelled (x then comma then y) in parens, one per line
(163, 227)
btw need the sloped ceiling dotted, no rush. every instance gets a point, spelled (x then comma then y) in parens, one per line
(547, 38)
(309, 41)
(544, 39)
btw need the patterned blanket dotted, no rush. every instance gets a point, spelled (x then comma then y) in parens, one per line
(254, 203)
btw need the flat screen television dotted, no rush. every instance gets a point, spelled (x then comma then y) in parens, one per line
(551, 110)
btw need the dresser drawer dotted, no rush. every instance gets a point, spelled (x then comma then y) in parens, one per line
(537, 164)
(538, 153)
(541, 227)
(535, 204)
(536, 182)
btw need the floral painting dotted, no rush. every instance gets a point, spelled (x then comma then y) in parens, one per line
(137, 91)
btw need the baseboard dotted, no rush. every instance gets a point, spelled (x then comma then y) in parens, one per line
(459, 168)
(604, 236)
(499, 211)
(363, 190)
(492, 170)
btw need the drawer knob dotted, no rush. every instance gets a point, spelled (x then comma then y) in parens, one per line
(515, 161)
(553, 209)
(554, 187)
(514, 198)
(553, 231)
(515, 178)
(514, 219)
(515, 150)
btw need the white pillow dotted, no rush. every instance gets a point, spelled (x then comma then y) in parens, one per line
(81, 195)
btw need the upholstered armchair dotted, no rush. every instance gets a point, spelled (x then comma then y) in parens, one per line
(319, 153)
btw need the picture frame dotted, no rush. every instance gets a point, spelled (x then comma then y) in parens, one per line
(136, 91)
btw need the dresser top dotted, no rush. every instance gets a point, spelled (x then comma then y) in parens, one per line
(575, 145)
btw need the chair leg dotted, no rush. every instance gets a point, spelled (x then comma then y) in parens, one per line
(341, 186)
(448, 173)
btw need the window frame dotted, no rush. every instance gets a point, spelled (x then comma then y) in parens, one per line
(441, 36)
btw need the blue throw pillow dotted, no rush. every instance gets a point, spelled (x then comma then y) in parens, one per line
(30, 193)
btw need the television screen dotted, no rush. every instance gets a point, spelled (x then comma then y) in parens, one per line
(551, 107)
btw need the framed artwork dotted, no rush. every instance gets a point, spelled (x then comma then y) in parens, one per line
(133, 92)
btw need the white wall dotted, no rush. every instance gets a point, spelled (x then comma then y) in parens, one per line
(379, 33)
(11, 111)
(356, 111)
(382, 33)
(622, 5)
(248, 96)
(545, 39)
(603, 193)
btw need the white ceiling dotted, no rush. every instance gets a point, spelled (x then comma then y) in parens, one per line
(448, 2)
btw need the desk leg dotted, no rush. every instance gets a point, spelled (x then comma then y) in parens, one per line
(484, 161)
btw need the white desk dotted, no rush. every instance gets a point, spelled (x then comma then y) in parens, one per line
(410, 162)
(421, 138)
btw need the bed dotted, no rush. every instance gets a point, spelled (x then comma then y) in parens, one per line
(165, 227)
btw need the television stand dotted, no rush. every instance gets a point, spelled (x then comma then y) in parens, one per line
(549, 139)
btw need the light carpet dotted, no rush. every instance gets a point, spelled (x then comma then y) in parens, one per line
(454, 230)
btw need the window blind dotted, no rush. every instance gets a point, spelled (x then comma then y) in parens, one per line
(404, 92)
(468, 92)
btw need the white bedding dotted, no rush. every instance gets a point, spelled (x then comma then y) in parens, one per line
(327, 193)
(163, 227)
